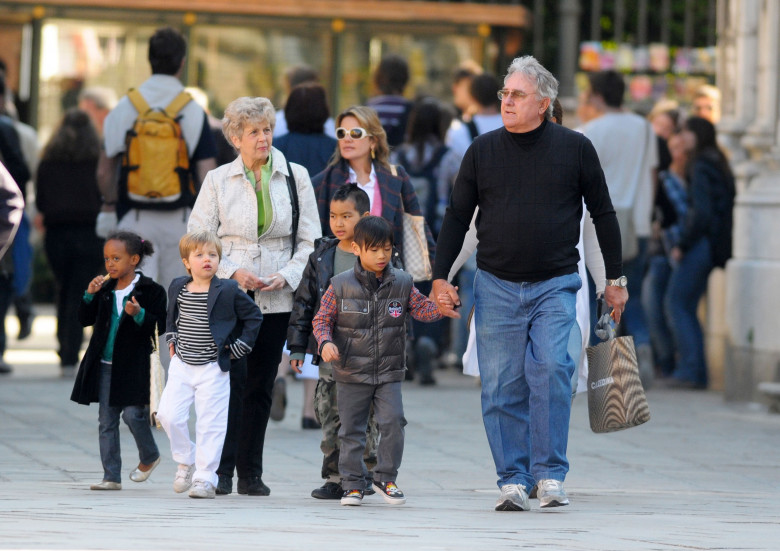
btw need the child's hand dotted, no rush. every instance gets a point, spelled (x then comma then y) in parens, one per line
(296, 365)
(171, 349)
(132, 307)
(445, 300)
(95, 285)
(330, 352)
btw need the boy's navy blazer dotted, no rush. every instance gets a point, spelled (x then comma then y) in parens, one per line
(231, 312)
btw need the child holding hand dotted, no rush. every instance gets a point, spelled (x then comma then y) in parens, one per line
(331, 256)
(361, 329)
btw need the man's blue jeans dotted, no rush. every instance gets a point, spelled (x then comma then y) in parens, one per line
(136, 417)
(522, 336)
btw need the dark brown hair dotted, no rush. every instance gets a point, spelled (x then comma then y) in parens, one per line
(307, 109)
(75, 139)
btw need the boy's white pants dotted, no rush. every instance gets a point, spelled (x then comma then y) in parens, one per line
(209, 387)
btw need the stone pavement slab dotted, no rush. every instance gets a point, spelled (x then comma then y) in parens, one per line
(702, 474)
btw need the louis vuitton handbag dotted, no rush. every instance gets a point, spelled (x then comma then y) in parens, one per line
(616, 399)
(417, 263)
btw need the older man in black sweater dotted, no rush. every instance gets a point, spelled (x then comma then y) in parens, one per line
(529, 180)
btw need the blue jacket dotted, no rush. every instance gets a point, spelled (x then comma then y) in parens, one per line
(232, 315)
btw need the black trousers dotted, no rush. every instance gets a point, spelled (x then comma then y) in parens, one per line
(75, 256)
(251, 387)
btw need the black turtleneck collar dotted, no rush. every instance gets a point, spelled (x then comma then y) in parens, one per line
(529, 138)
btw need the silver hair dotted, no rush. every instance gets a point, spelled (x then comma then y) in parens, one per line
(546, 83)
(243, 111)
(101, 96)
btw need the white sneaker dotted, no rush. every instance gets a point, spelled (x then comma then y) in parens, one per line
(551, 493)
(183, 479)
(513, 498)
(203, 489)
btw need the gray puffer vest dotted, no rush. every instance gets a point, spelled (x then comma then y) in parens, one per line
(370, 332)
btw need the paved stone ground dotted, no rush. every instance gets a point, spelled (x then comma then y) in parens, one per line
(702, 474)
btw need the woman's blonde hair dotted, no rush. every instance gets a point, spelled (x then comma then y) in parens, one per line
(369, 121)
(243, 111)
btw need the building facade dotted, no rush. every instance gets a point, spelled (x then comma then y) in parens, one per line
(749, 78)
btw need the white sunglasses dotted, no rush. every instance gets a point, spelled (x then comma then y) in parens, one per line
(356, 133)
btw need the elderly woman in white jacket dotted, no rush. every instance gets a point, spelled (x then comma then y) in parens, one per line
(248, 204)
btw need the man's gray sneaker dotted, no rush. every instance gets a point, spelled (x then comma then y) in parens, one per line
(513, 498)
(551, 493)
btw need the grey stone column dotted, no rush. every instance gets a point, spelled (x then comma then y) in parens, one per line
(569, 32)
(751, 57)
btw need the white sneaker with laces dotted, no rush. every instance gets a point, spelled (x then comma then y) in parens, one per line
(203, 489)
(551, 493)
(513, 498)
(183, 479)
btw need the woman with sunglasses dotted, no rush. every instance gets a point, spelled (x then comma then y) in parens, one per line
(362, 158)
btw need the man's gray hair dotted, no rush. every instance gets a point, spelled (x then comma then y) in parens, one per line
(546, 83)
(245, 110)
(101, 96)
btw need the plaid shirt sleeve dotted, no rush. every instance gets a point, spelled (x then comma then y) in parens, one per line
(422, 308)
(325, 319)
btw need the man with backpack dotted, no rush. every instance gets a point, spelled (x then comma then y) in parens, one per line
(158, 149)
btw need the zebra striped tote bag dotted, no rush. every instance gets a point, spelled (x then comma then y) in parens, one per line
(616, 399)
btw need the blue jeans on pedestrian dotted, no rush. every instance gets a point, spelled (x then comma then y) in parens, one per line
(633, 321)
(522, 336)
(654, 289)
(687, 284)
(136, 417)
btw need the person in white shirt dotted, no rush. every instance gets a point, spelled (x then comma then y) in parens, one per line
(484, 89)
(628, 152)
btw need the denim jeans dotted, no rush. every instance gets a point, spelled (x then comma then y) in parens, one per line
(686, 286)
(633, 320)
(136, 417)
(523, 331)
(653, 292)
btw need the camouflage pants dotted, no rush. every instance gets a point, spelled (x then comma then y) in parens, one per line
(327, 411)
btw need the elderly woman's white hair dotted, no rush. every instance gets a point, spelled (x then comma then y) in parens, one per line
(243, 111)
(546, 83)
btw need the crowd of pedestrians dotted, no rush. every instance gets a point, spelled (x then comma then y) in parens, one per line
(280, 237)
